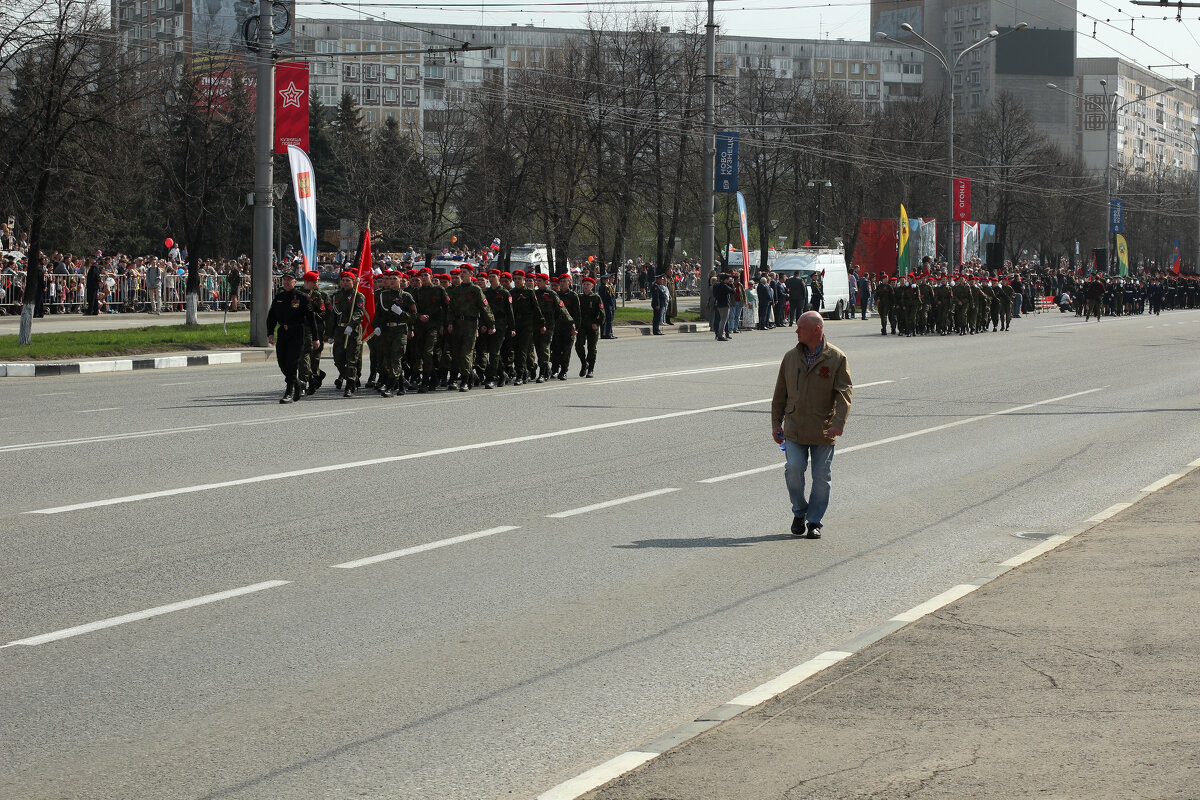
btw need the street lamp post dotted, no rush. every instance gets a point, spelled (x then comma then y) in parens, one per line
(931, 49)
(1111, 109)
(1196, 140)
(819, 184)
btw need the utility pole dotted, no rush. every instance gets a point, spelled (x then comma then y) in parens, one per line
(708, 226)
(264, 196)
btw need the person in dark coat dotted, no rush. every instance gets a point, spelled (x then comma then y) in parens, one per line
(91, 288)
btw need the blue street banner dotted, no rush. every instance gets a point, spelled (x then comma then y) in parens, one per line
(727, 162)
(1116, 216)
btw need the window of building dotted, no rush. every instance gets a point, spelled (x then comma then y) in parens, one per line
(389, 116)
(958, 37)
(411, 97)
(839, 68)
(410, 72)
(391, 94)
(370, 72)
(514, 56)
(372, 117)
(975, 34)
(856, 68)
(370, 95)
(974, 76)
(872, 70)
(391, 72)
(327, 94)
(434, 93)
(856, 88)
(975, 99)
(456, 96)
(958, 14)
(434, 71)
(872, 89)
(353, 91)
(350, 47)
(350, 71)
(535, 56)
(370, 48)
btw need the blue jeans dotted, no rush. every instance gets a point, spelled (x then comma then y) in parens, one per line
(813, 508)
(660, 316)
(735, 317)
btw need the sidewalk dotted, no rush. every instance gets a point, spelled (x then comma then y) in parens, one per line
(54, 323)
(1072, 676)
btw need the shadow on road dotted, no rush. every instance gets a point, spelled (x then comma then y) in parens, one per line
(705, 541)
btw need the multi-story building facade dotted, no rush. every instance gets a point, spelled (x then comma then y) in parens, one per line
(1152, 134)
(1022, 63)
(416, 88)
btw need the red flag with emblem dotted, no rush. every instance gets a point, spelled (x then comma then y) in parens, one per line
(366, 284)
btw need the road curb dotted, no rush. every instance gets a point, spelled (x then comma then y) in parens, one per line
(37, 369)
(627, 762)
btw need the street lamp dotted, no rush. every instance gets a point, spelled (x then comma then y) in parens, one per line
(819, 184)
(1111, 109)
(949, 66)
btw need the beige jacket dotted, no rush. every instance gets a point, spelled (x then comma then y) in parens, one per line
(808, 400)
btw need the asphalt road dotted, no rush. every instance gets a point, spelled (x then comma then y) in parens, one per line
(499, 664)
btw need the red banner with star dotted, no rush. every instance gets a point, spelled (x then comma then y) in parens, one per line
(291, 106)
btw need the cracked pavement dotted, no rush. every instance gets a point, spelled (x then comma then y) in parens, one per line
(1071, 676)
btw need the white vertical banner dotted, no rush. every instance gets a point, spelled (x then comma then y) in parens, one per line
(304, 187)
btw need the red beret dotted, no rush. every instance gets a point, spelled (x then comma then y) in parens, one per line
(588, 279)
(456, 271)
(445, 276)
(427, 270)
(312, 275)
(508, 274)
(347, 274)
(467, 268)
(474, 279)
(566, 276)
(520, 272)
(493, 272)
(543, 276)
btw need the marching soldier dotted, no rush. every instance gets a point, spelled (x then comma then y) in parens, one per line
(310, 373)
(290, 312)
(394, 307)
(961, 291)
(467, 311)
(885, 300)
(591, 320)
(500, 301)
(564, 334)
(349, 307)
(554, 315)
(431, 302)
(528, 322)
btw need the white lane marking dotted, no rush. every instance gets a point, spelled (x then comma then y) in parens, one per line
(597, 776)
(770, 467)
(66, 633)
(94, 410)
(1163, 482)
(54, 394)
(794, 676)
(1109, 512)
(902, 436)
(288, 418)
(424, 548)
(1033, 552)
(934, 603)
(371, 462)
(1195, 463)
(609, 503)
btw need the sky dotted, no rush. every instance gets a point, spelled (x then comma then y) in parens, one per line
(1157, 40)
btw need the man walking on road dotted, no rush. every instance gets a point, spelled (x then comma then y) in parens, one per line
(808, 412)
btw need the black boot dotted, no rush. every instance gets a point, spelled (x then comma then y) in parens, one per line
(297, 391)
(287, 394)
(371, 380)
(583, 370)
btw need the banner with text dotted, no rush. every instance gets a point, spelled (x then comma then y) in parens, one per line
(291, 106)
(1116, 216)
(727, 162)
(962, 199)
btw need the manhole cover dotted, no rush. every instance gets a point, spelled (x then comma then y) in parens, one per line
(1037, 535)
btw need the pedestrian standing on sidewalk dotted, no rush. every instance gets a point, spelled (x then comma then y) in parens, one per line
(808, 412)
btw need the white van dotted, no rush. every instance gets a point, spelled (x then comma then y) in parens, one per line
(530, 257)
(830, 264)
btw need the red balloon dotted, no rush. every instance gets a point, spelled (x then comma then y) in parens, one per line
(169, 242)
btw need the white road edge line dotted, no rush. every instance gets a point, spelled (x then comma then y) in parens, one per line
(934, 603)
(371, 462)
(597, 776)
(1162, 483)
(66, 633)
(424, 548)
(902, 436)
(94, 410)
(609, 503)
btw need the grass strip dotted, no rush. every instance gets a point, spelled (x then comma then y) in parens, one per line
(126, 342)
